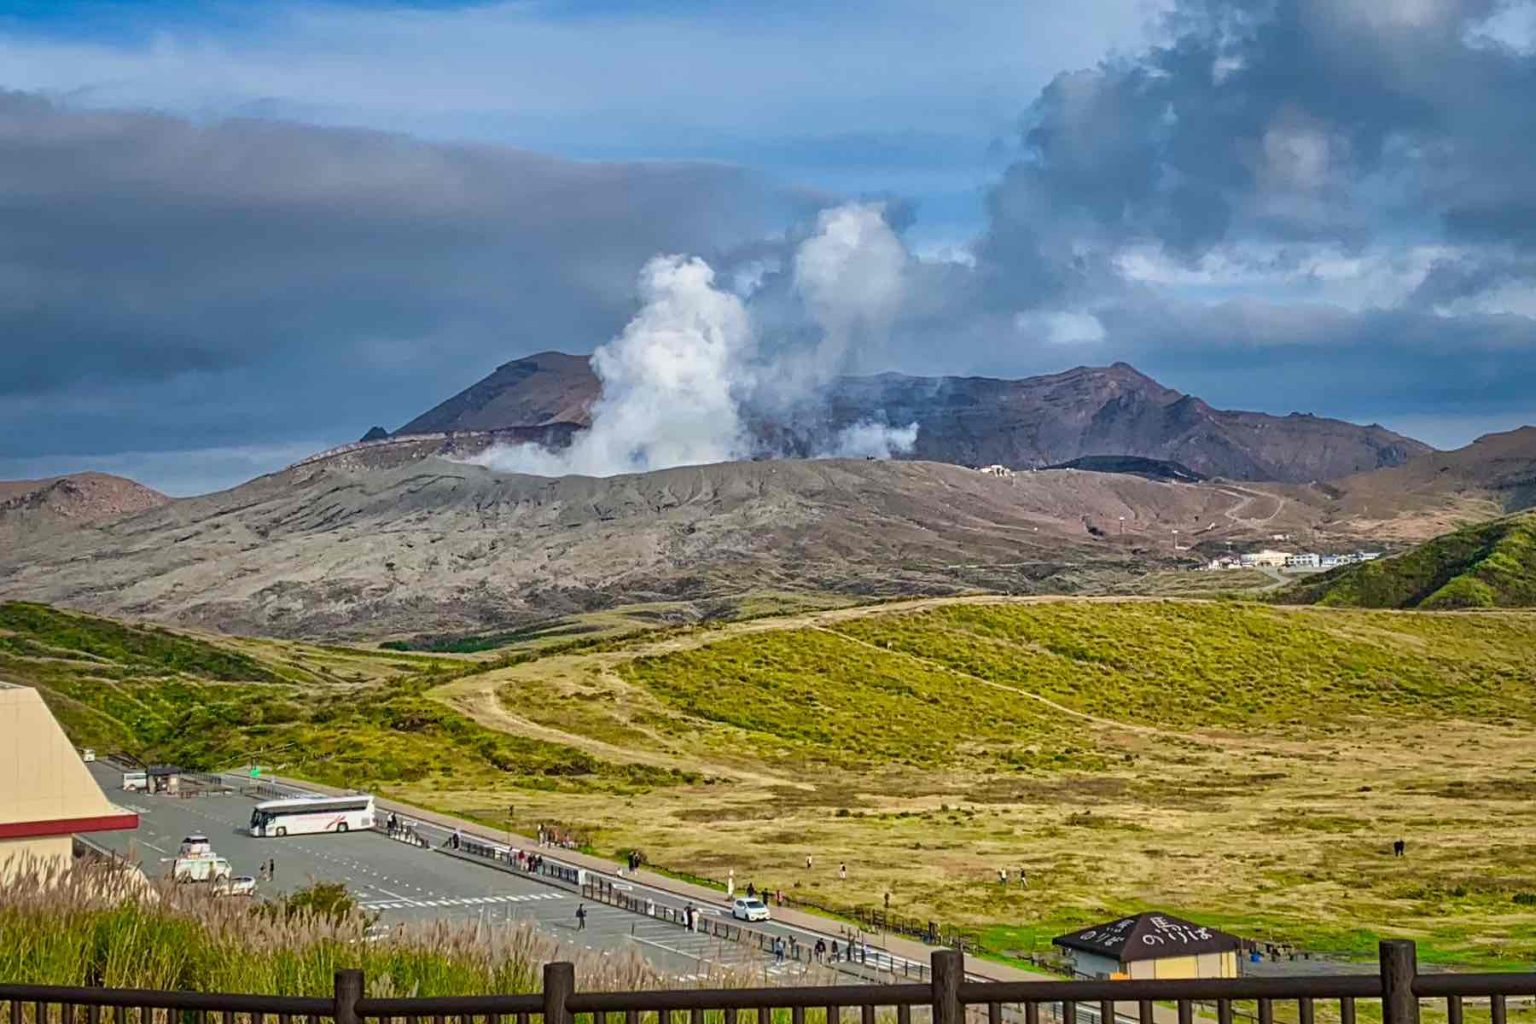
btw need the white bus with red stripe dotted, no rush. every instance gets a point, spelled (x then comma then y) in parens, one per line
(307, 815)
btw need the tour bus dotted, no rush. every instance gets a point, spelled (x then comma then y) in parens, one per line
(308, 814)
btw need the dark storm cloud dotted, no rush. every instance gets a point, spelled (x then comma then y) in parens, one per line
(1290, 119)
(286, 270)
(1259, 147)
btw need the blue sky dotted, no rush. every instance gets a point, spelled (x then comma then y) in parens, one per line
(229, 232)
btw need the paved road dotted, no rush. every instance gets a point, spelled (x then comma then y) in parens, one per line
(402, 883)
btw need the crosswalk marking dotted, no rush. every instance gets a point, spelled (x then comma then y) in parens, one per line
(460, 901)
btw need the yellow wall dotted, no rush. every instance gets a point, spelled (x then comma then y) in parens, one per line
(1207, 965)
(42, 855)
(41, 778)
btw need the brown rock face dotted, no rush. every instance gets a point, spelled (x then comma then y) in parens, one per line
(83, 498)
(977, 421)
(539, 391)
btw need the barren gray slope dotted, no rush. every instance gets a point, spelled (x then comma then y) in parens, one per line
(333, 548)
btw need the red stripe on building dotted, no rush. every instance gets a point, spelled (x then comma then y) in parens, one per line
(67, 826)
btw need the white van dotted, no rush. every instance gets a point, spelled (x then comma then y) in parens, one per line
(136, 782)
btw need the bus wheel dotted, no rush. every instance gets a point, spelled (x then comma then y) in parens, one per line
(281, 832)
(341, 826)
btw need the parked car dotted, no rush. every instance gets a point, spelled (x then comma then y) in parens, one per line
(239, 885)
(88, 755)
(749, 908)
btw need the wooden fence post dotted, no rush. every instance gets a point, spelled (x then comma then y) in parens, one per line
(1399, 966)
(559, 983)
(948, 972)
(346, 991)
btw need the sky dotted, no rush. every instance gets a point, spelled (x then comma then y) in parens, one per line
(233, 234)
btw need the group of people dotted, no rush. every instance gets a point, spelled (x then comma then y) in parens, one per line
(847, 952)
(267, 870)
(1002, 877)
(551, 835)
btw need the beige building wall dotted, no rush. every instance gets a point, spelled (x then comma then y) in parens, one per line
(1204, 965)
(48, 853)
(46, 792)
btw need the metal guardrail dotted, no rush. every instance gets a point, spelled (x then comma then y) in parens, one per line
(946, 999)
(600, 889)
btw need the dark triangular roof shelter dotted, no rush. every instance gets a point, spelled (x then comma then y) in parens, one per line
(1148, 936)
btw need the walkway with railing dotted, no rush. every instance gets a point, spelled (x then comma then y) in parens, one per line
(1397, 989)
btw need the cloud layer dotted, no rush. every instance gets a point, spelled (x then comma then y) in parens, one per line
(252, 280)
(1321, 205)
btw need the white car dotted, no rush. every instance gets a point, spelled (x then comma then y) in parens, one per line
(749, 908)
(239, 885)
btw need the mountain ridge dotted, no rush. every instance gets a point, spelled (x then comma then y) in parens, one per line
(1022, 423)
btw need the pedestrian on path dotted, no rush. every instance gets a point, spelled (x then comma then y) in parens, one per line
(778, 948)
(820, 949)
(730, 883)
(271, 869)
(581, 917)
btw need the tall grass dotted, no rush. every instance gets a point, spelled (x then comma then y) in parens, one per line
(101, 925)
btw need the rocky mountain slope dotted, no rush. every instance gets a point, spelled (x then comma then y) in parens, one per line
(80, 499)
(345, 548)
(1491, 565)
(977, 421)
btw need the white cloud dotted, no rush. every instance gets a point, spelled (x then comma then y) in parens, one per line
(1063, 327)
(179, 473)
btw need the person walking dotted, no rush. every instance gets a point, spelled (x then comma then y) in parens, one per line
(1023, 878)
(807, 862)
(778, 948)
(271, 869)
(730, 883)
(820, 950)
(842, 872)
(1002, 876)
(751, 890)
(836, 954)
(581, 917)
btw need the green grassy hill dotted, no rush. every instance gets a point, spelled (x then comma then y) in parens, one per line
(338, 715)
(1491, 565)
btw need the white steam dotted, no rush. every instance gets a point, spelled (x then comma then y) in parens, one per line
(676, 382)
(669, 383)
(870, 440)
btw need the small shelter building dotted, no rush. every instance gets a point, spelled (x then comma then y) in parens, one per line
(164, 778)
(1150, 946)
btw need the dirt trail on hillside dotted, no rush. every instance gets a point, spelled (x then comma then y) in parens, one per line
(479, 696)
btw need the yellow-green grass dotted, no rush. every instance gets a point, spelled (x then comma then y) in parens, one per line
(346, 717)
(1242, 764)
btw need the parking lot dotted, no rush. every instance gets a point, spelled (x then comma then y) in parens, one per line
(401, 882)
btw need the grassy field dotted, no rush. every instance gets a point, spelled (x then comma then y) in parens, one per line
(1245, 765)
(337, 715)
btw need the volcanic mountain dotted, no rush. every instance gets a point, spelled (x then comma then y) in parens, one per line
(975, 421)
(342, 546)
